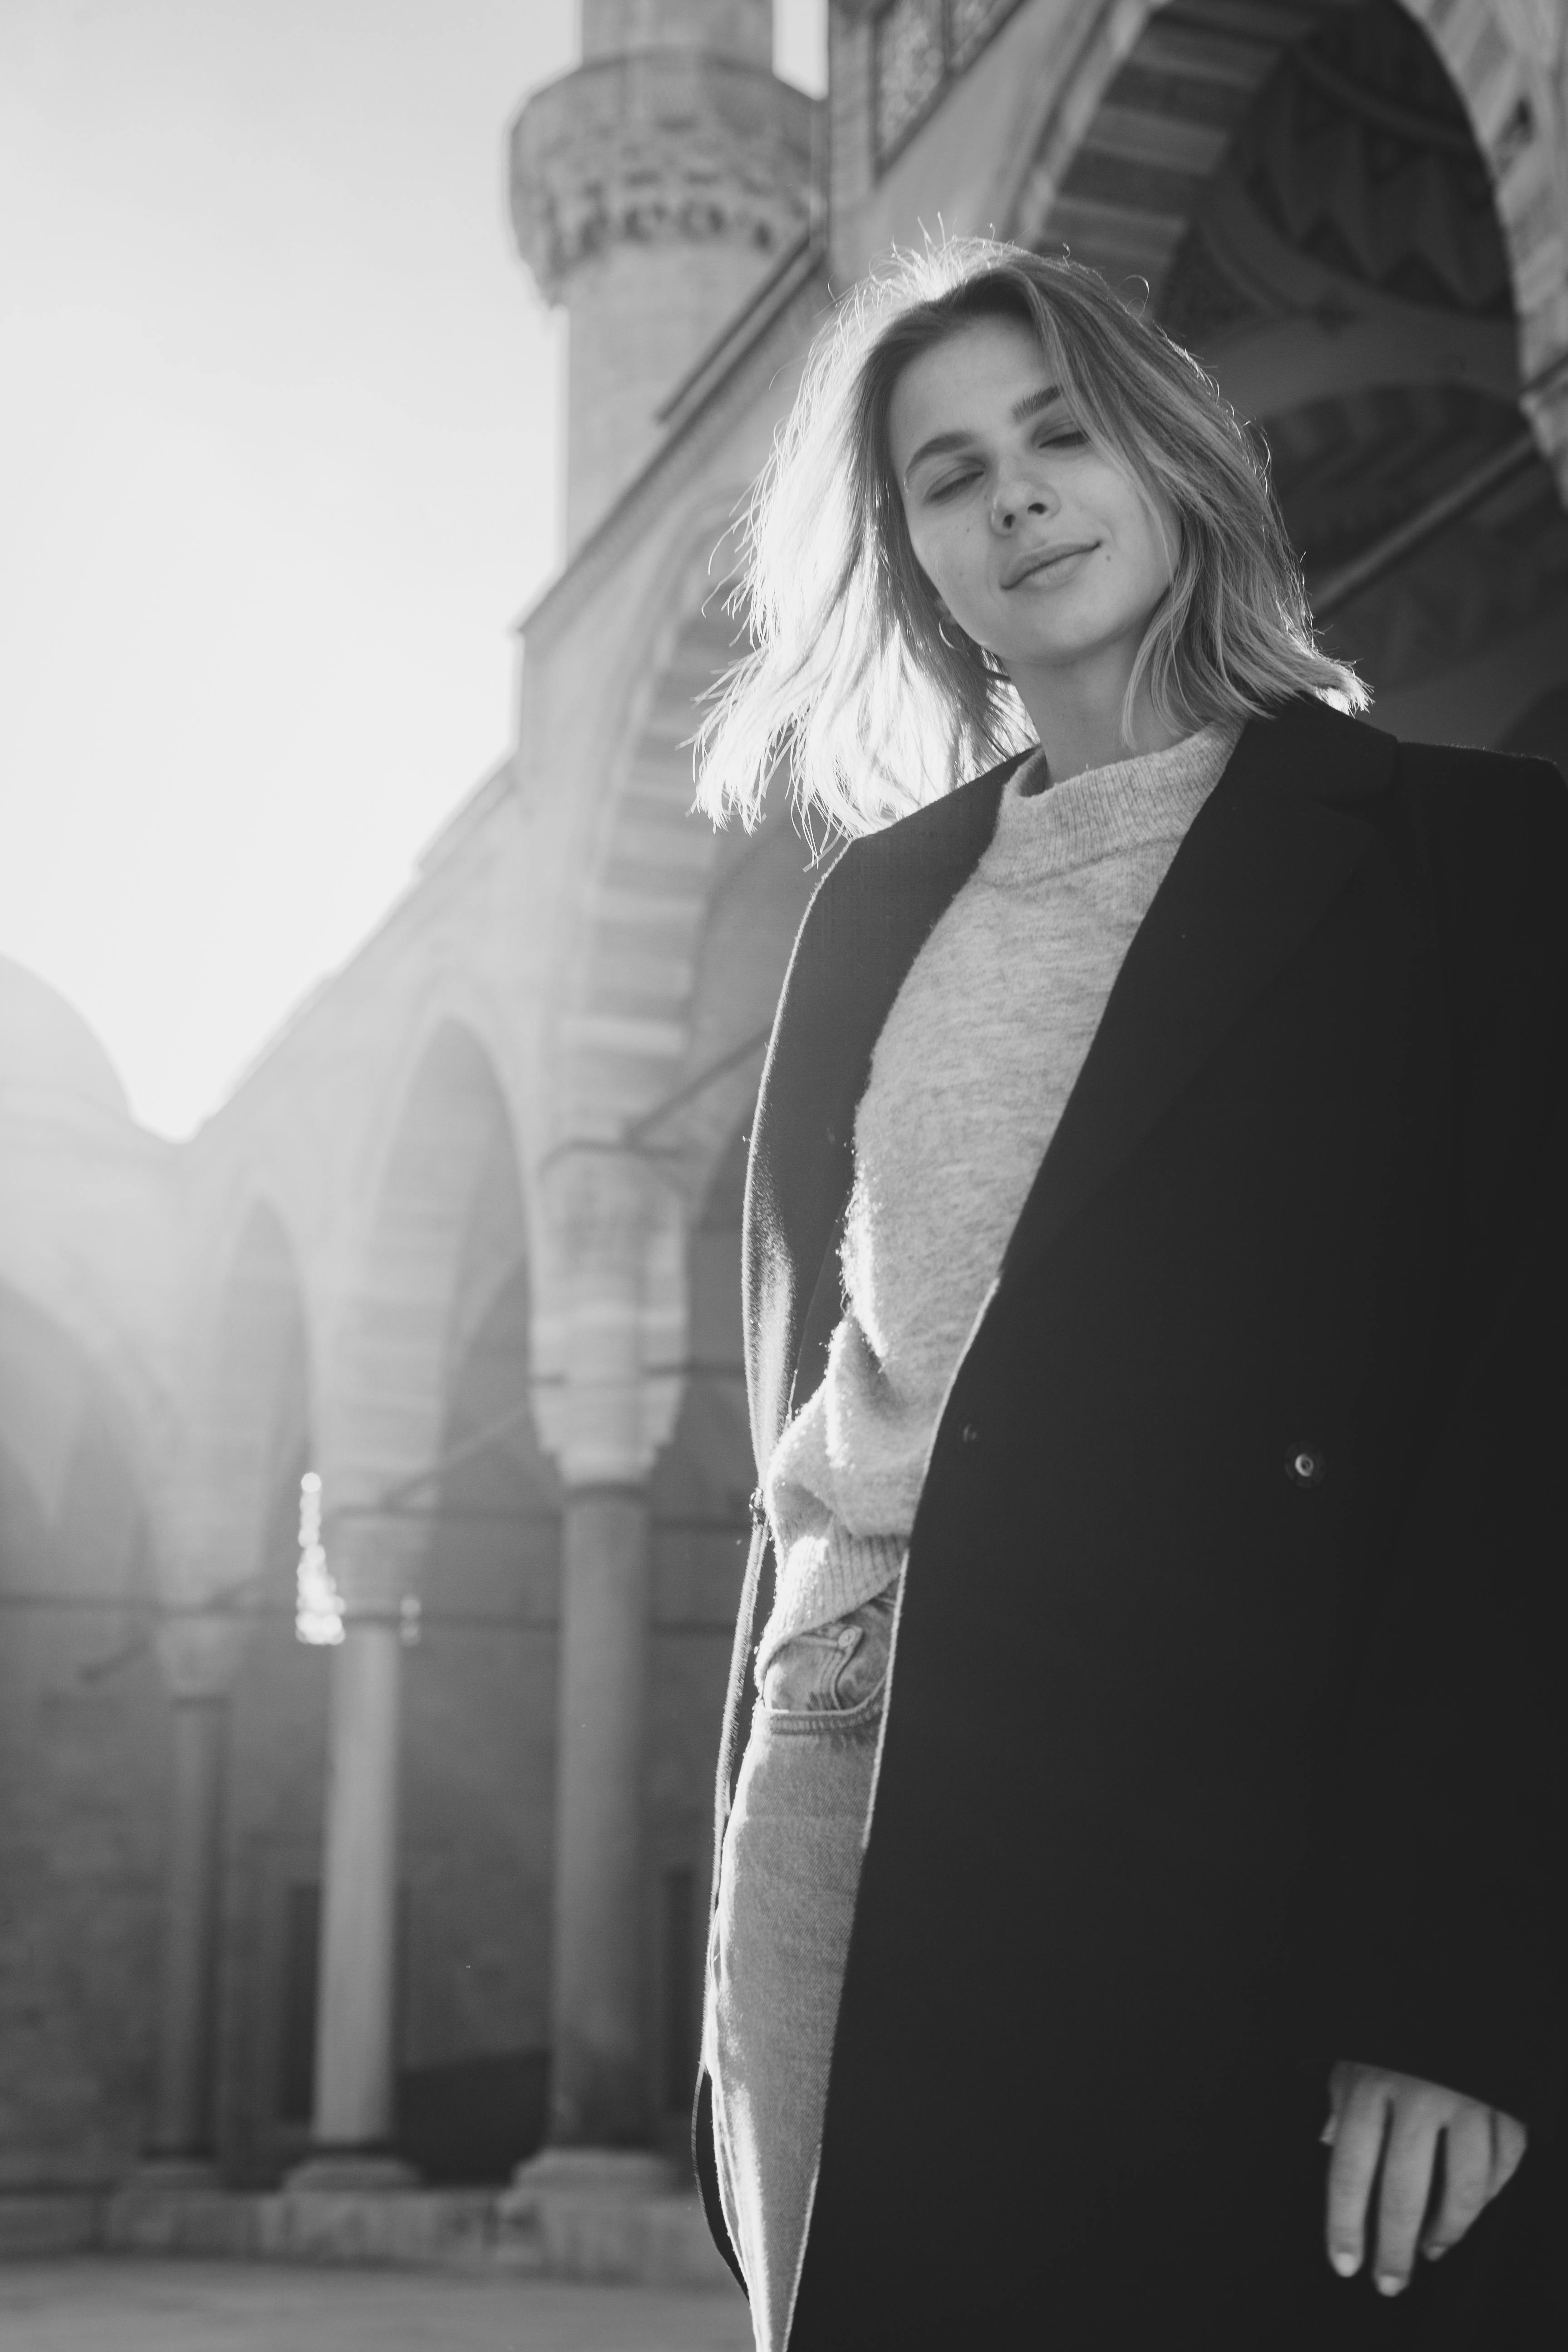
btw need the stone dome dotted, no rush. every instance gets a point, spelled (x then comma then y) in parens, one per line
(51, 1065)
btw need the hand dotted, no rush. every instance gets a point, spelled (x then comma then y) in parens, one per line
(1400, 2118)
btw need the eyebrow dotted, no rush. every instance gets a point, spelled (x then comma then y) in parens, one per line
(942, 443)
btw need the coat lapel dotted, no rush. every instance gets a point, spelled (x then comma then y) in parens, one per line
(1261, 864)
(870, 918)
(1267, 854)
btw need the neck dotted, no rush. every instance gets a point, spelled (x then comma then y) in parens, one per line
(1077, 715)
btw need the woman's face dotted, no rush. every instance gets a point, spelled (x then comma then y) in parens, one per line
(1048, 555)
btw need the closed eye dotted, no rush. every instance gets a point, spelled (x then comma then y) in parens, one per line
(1059, 437)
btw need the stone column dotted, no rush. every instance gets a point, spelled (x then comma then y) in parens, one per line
(198, 1654)
(597, 2094)
(374, 1562)
(604, 1417)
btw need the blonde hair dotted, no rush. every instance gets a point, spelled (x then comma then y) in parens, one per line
(880, 702)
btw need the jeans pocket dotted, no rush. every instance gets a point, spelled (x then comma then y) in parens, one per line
(833, 1677)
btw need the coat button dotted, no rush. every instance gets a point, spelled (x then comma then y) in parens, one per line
(1307, 1465)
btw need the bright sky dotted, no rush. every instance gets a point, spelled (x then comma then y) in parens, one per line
(280, 432)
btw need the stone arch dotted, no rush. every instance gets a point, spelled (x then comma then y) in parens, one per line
(445, 994)
(431, 1476)
(685, 932)
(247, 1415)
(757, 894)
(476, 1855)
(229, 1501)
(1500, 57)
(626, 1031)
(383, 1396)
(1128, 138)
(73, 1489)
(44, 1268)
(680, 950)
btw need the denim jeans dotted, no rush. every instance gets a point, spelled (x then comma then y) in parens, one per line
(787, 1880)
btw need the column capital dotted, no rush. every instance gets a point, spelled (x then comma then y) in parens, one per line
(601, 1201)
(199, 1652)
(375, 1555)
(609, 1334)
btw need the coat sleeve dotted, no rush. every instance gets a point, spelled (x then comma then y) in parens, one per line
(1446, 1943)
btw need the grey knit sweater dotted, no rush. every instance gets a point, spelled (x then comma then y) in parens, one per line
(969, 1078)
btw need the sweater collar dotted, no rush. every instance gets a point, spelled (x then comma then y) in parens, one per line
(1152, 797)
(1271, 847)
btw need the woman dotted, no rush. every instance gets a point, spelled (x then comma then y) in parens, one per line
(1148, 1739)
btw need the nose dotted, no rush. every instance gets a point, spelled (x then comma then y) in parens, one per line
(1016, 496)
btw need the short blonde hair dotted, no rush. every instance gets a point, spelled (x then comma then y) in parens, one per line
(879, 702)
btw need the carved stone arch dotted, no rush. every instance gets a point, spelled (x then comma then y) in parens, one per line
(261, 1197)
(247, 1412)
(46, 1273)
(383, 1393)
(1128, 139)
(625, 1030)
(1131, 131)
(1508, 61)
(424, 1387)
(759, 890)
(64, 1414)
(450, 996)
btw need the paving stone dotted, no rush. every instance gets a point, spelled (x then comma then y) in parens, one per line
(98, 2305)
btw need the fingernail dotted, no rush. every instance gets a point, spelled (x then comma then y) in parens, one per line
(1389, 2282)
(1344, 2262)
(1434, 2253)
(1330, 2132)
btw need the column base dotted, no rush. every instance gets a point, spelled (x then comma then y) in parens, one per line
(352, 2171)
(620, 2173)
(175, 2173)
(607, 2213)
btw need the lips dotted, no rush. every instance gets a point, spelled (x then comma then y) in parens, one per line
(1038, 558)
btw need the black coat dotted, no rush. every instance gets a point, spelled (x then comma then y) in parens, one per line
(1224, 1735)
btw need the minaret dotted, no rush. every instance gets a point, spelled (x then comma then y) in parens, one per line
(652, 192)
